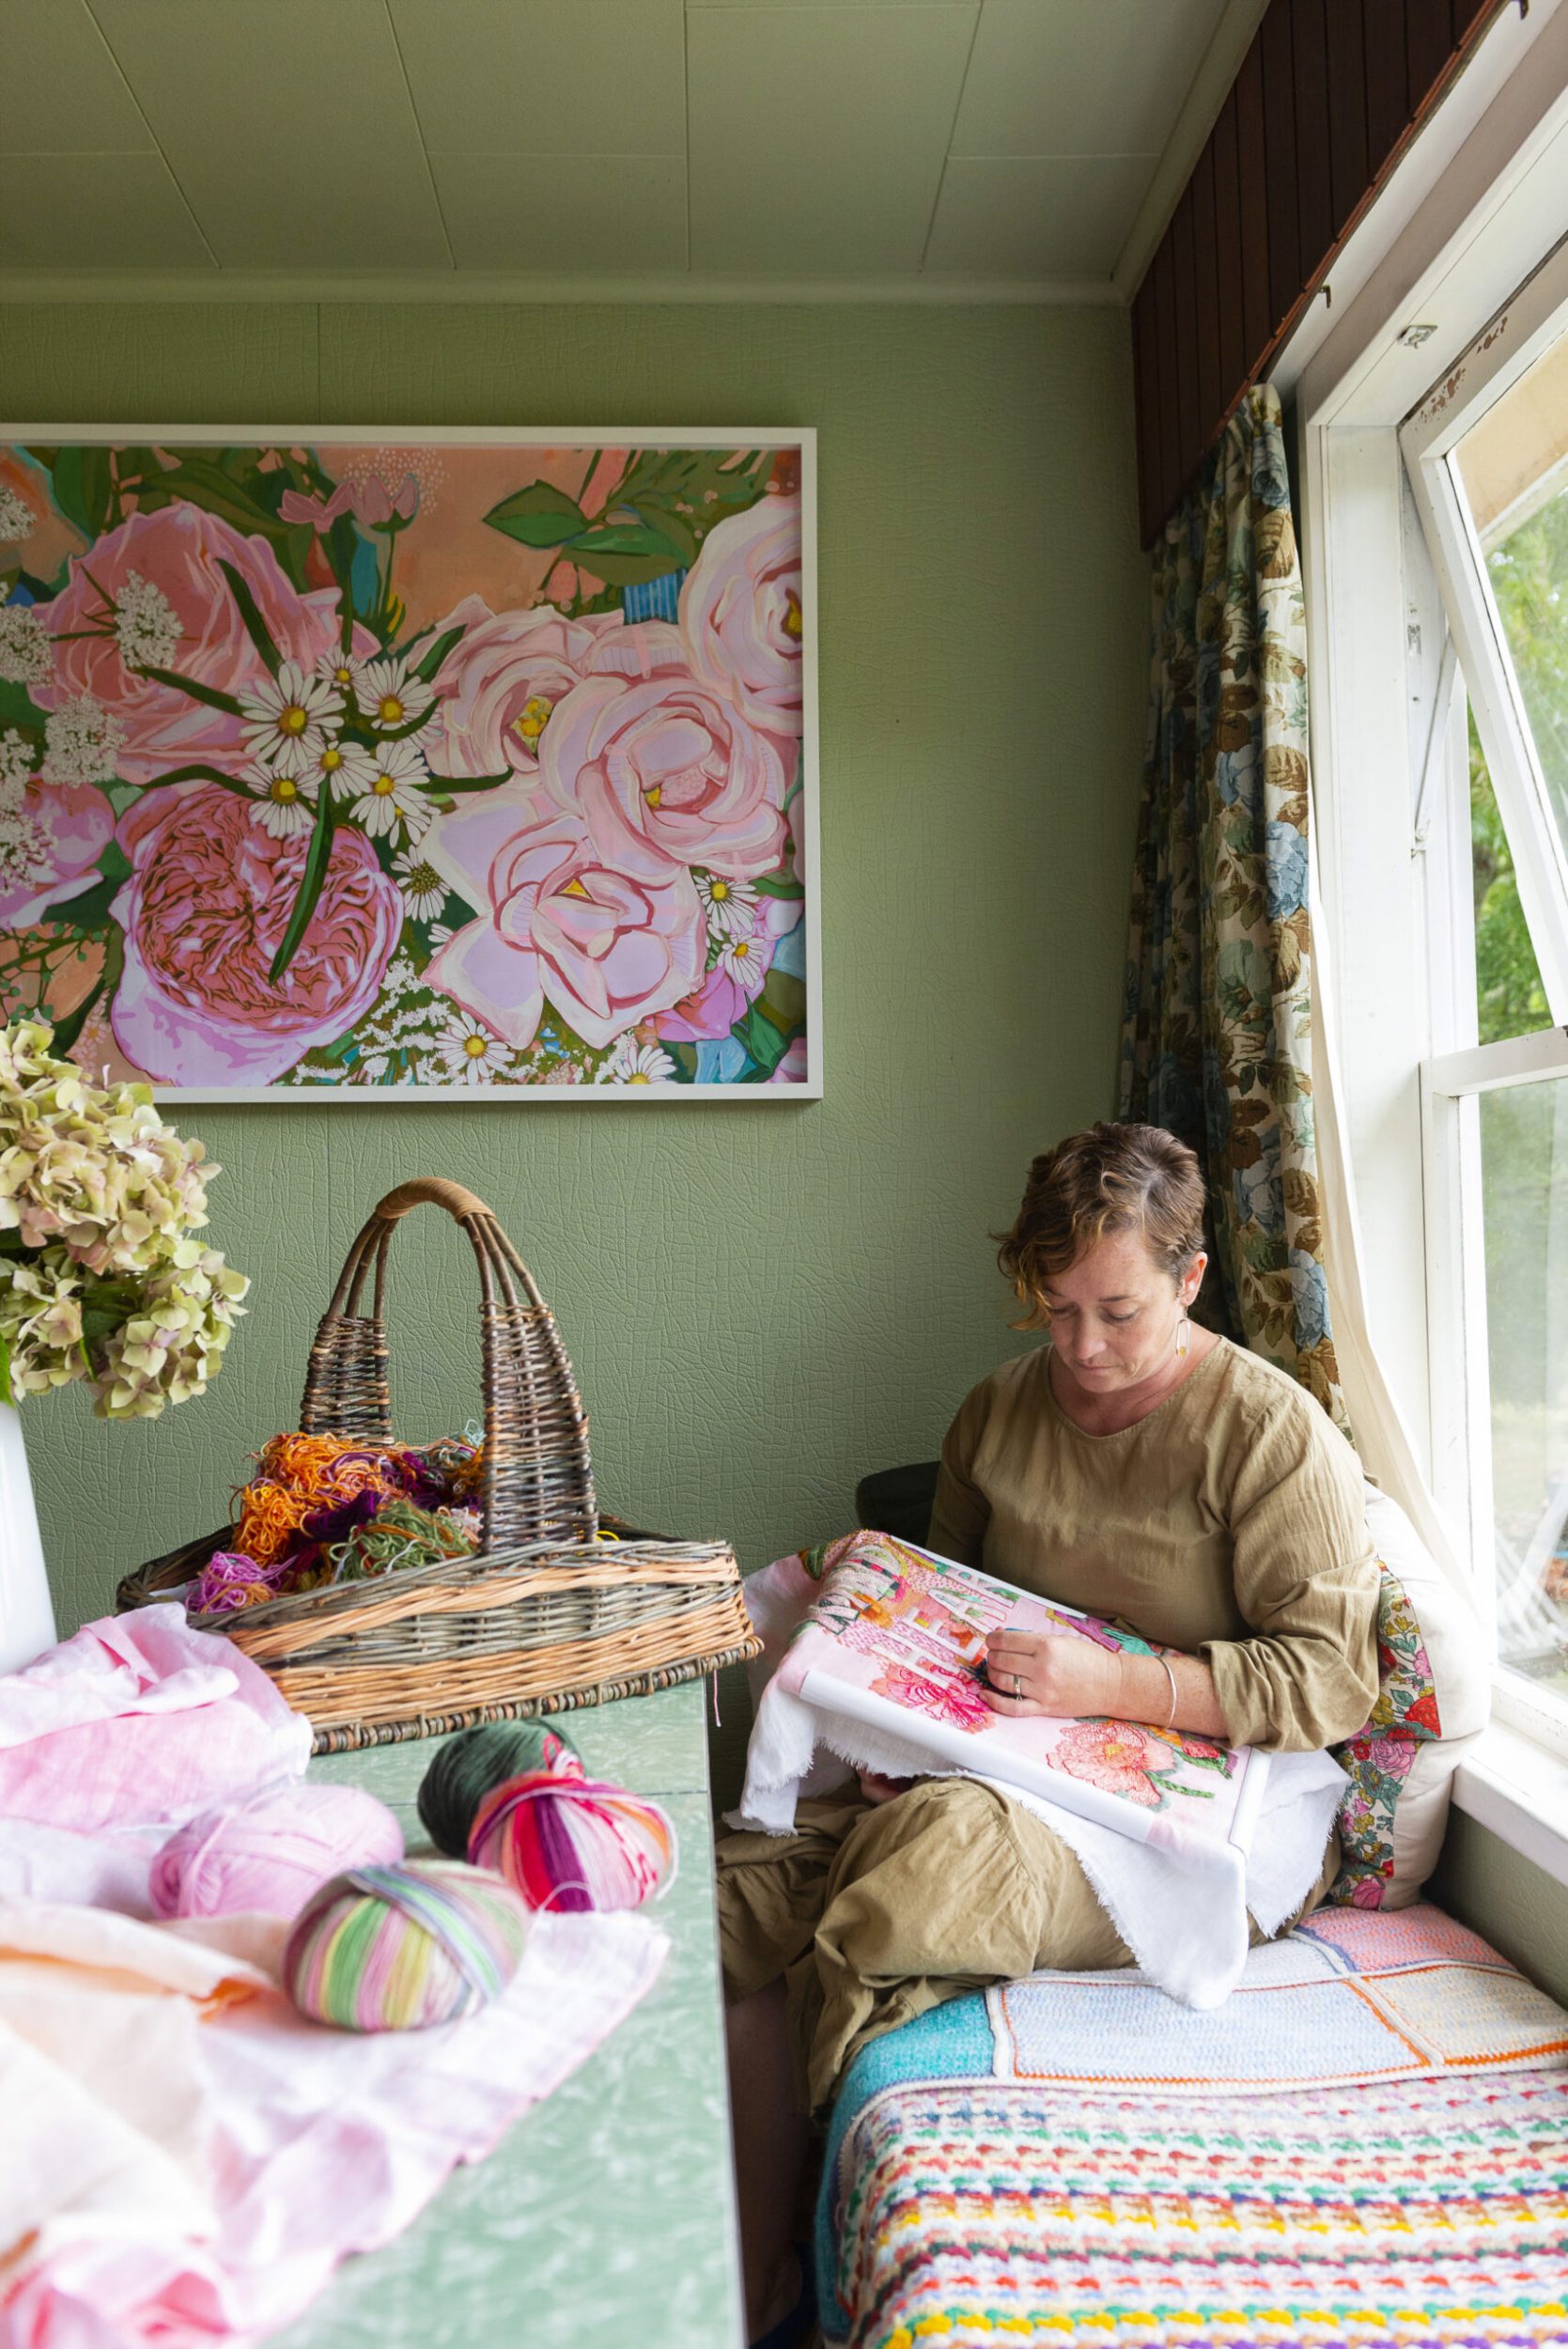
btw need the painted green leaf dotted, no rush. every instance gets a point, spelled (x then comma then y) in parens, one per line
(84, 488)
(430, 662)
(256, 627)
(765, 1044)
(311, 883)
(783, 998)
(207, 693)
(89, 912)
(538, 515)
(69, 1027)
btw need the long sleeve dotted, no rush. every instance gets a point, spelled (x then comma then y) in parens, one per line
(961, 1512)
(1307, 1584)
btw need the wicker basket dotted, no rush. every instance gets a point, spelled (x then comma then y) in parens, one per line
(545, 1618)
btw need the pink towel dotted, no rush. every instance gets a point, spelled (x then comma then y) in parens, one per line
(139, 1720)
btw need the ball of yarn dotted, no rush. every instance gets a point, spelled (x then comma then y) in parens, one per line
(463, 1771)
(573, 1843)
(272, 1852)
(396, 1949)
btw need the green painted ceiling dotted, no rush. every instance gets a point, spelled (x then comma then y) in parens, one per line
(623, 139)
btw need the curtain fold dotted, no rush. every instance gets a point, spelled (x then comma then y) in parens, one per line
(1216, 1040)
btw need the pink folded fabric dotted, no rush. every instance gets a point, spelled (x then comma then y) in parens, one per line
(319, 2143)
(139, 1720)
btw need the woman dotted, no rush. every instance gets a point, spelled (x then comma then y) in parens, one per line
(1137, 1467)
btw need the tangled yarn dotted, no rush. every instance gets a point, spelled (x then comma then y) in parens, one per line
(270, 1852)
(398, 1948)
(465, 1768)
(230, 1580)
(401, 1535)
(573, 1843)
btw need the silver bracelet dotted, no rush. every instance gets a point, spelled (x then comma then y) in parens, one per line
(1171, 1716)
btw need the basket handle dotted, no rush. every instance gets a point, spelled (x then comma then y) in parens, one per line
(431, 1190)
(537, 1482)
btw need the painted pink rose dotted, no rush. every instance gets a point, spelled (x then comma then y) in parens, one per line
(605, 948)
(660, 767)
(795, 1067)
(740, 613)
(176, 552)
(204, 912)
(1113, 1754)
(735, 981)
(49, 844)
(501, 682)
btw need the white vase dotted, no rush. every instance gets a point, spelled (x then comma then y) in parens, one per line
(26, 1617)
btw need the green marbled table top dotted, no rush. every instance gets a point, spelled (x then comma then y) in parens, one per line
(606, 2216)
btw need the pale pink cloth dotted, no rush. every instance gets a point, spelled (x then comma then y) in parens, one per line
(216, 2208)
(184, 2159)
(136, 1722)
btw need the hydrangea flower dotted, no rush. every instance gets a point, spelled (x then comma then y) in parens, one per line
(100, 1276)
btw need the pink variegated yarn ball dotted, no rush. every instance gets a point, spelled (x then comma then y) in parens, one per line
(270, 1852)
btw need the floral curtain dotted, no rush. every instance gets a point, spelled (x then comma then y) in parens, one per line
(1216, 1035)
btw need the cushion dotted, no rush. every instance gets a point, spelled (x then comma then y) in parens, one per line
(1434, 1700)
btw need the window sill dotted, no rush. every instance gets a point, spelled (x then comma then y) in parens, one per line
(1515, 1788)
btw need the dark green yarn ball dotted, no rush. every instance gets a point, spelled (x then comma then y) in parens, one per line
(465, 1768)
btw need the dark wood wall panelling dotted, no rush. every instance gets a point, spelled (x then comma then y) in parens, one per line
(1328, 96)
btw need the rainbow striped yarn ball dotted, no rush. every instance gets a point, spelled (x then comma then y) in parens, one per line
(573, 1843)
(396, 1949)
(464, 1770)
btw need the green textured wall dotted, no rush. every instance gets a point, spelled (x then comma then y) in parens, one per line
(763, 1302)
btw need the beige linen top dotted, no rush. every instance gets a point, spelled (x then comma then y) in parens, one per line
(1231, 1522)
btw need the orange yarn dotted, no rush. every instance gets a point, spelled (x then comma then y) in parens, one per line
(298, 1475)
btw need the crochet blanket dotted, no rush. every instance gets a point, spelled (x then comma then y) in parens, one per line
(1368, 2145)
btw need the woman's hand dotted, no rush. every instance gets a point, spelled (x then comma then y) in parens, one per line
(1029, 1672)
(875, 1788)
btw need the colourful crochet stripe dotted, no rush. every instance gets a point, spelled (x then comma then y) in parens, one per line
(388, 1961)
(1404, 2217)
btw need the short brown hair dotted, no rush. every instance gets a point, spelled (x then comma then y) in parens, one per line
(1113, 1178)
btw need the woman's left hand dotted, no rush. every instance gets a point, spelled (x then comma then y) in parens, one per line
(1029, 1672)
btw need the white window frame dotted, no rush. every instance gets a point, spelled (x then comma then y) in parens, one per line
(1460, 1071)
(1384, 383)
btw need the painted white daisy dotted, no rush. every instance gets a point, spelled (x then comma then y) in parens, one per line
(287, 716)
(634, 1063)
(342, 670)
(470, 1054)
(145, 624)
(347, 768)
(82, 741)
(17, 519)
(27, 654)
(421, 887)
(289, 803)
(16, 757)
(394, 792)
(745, 962)
(730, 906)
(390, 695)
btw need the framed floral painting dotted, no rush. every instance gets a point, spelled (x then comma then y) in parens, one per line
(354, 767)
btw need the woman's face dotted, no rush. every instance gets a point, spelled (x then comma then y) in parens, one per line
(1114, 1312)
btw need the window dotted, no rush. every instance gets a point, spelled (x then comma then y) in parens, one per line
(1487, 456)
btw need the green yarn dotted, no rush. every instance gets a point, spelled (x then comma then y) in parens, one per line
(467, 1766)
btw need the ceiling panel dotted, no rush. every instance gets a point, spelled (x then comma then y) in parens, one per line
(546, 77)
(609, 213)
(1009, 217)
(817, 134)
(288, 125)
(64, 94)
(1054, 77)
(96, 211)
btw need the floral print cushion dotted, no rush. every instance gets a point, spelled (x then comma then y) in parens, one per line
(1378, 1760)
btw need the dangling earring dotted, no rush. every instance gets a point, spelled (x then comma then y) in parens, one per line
(1184, 1336)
